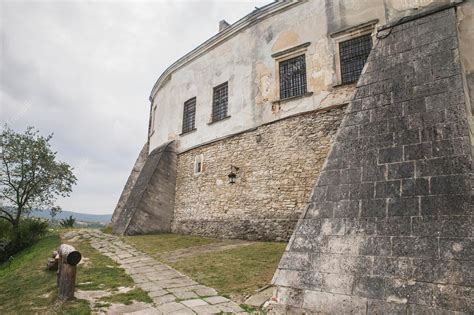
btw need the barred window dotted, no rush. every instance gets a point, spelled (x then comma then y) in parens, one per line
(353, 55)
(189, 115)
(293, 77)
(219, 103)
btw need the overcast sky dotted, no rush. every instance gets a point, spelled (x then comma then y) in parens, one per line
(84, 70)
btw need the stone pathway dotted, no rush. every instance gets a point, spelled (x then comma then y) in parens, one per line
(171, 291)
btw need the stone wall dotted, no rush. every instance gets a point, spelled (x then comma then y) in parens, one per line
(389, 229)
(278, 164)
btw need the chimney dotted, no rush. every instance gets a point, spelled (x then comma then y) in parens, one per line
(223, 25)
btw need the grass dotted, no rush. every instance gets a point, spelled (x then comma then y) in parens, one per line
(128, 297)
(162, 243)
(236, 272)
(26, 286)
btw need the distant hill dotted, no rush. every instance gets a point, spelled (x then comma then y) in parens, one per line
(101, 218)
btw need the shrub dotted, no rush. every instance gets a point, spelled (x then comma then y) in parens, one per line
(68, 222)
(28, 232)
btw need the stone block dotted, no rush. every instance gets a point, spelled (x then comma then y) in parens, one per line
(457, 248)
(408, 291)
(415, 247)
(401, 170)
(361, 191)
(295, 261)
(337, 283)
(446, 205)
(369, 286)
(346, 209)
(334, 303)
(452, 184)
(393, 267)
(408, 206)
(415, 187)
(387, 189)
(374, 173)
(376, 246)
(447, 226)
(373, 208)
(390, 155)
(378, 307)
(350, 176)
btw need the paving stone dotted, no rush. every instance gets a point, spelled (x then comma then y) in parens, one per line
(185, 295)
(146, 311)
(164, 299)
(206, 309)
(183, 311)
(230, 307)
(157, 293)
(216, 300)
(188, 288)
(171, 307)
(194, 303)
(206, 292)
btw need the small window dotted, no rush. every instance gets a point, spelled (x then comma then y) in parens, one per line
(198, 164)
(293, 77)
(220, 102)
(353, 54)
(189, 115)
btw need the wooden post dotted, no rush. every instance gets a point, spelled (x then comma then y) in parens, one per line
(69, 257)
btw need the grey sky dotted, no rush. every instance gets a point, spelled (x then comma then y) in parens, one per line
(84, 70)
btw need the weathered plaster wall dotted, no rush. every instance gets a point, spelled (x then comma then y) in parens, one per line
(389, 229)
(278, 164)
(245, 61)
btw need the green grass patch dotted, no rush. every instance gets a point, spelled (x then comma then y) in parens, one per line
(128, 297)
(161, 243)
(26, 286)
(98, 272)
(235, 272)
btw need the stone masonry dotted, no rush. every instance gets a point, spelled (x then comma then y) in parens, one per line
(389, 228)
(278, 165)
(132, 179)
(150, 203)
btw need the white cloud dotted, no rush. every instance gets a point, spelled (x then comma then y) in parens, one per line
(84, 70)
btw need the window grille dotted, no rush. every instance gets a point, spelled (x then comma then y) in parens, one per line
(353, 55)
(189, 115)
(220, 102)
(293, 77)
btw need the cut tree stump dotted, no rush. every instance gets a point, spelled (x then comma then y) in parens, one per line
(69, 257)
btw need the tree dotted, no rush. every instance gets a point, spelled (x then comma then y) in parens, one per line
(30, 175)
(68, 222)
(54, 211)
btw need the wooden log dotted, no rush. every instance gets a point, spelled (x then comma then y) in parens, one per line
(67, 279)
(69, 254)
(69, 257)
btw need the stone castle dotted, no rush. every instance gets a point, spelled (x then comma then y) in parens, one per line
(342, 126)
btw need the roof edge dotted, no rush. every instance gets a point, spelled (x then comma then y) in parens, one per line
(247, 21)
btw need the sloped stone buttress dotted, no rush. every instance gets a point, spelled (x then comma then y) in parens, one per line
(132, 178)
(389, 228)
(150, 205)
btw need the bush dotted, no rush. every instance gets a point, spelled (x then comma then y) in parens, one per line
(29, 231)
